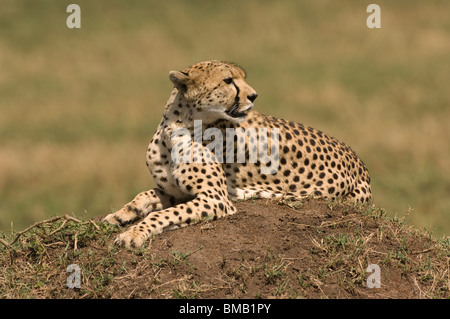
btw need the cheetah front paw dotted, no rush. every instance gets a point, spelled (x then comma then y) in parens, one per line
(122, 217)
(111, 219)
(132, 238)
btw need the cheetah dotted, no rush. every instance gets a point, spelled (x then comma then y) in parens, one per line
(217, 95)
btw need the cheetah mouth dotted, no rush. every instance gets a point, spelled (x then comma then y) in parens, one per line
(234, 113)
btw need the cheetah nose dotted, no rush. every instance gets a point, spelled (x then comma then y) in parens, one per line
(252, 97)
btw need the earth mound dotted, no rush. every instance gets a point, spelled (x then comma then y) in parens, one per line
(269, 249)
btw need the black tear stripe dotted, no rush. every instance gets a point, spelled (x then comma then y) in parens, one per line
(232, 110)
(236, 99)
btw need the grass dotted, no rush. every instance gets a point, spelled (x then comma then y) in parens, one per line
(78, 107)
(34, 262)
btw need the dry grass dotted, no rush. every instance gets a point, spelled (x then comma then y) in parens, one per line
(324, 256)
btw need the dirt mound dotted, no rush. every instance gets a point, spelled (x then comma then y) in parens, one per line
(270, 249)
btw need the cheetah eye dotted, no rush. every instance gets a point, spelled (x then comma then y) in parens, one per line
(228, 80)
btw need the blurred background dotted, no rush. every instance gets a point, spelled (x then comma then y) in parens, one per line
(78, 107)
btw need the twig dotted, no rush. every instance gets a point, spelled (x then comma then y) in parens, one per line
(189, 253)
(422, 251)
(324, 224)
(50, 220)
(192, 252)
(316, 243)
(75, 242)
(59, 228)
(42, 246)
(334, 223)
(132, 292)
(93, 223)
(6, 244)
(318, 284)
(186, 277)
(421, 292)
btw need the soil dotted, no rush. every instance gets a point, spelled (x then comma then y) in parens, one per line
(269, 249)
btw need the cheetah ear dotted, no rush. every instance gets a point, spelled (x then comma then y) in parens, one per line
(179, 79)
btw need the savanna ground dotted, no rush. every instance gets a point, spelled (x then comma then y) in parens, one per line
(270, 249)
(78, 108)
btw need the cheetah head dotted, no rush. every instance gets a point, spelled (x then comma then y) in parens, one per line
(215, 90)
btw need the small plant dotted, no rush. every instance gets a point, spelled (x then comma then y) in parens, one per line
(275, 268)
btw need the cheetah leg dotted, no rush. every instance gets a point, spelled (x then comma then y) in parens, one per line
(205, 183)
(175, 217)
(143, 204)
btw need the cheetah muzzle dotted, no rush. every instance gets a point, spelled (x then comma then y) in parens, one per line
(234, 112)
